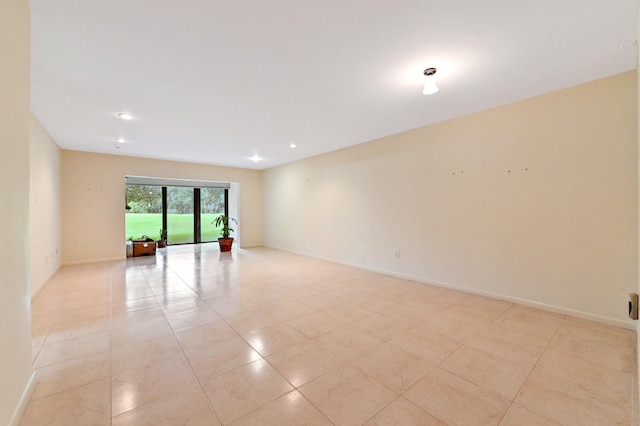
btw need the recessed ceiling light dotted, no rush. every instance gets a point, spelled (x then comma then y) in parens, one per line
(293, 145)
(120, 140)
(125, 115)
(255, 158)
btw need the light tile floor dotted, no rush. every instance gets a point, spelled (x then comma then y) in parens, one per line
(262, 337)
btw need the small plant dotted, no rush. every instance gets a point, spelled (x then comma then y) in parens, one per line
(162, 242)
(223, 221)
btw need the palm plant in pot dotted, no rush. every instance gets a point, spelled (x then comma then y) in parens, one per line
(225, 241)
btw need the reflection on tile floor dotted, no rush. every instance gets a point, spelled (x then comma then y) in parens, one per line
(262, 337)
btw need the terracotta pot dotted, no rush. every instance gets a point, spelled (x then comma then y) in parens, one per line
(225, 243)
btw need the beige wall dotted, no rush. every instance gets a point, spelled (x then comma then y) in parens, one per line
(15, 321)
(94, 184)
(534, 201)
(44, 206)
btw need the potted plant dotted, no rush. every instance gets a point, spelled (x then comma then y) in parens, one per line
(162, 242)
(225, 241)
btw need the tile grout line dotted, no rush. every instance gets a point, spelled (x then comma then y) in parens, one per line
(110, 347)
(464, 345)
(564, 318)
(185, 354)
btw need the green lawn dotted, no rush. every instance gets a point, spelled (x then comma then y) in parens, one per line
(179, 227)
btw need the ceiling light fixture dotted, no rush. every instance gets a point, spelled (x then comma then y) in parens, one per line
(125, 115)
(292, 145)
(255, 158)
(120, 140)
(430, 86)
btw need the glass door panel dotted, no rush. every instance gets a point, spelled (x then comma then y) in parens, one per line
(144, 211)
(211, 205)
(188, 211)
(180, 215)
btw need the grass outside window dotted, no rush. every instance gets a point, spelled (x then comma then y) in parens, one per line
(180, 226)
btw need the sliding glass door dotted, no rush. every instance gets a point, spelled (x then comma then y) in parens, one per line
(187, 213)
(212, 204)
(180, 218)
(144, 211)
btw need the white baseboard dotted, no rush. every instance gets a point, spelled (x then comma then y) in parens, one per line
(530, 303)
(16, 419)
(86, 262)
(42, 284)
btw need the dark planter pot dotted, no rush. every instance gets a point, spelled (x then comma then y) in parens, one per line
(162, 243)
(225, 243)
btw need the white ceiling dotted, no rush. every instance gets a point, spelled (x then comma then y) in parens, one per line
(216, 82)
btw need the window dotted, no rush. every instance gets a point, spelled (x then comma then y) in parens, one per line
(144, 211)
(187, 211)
